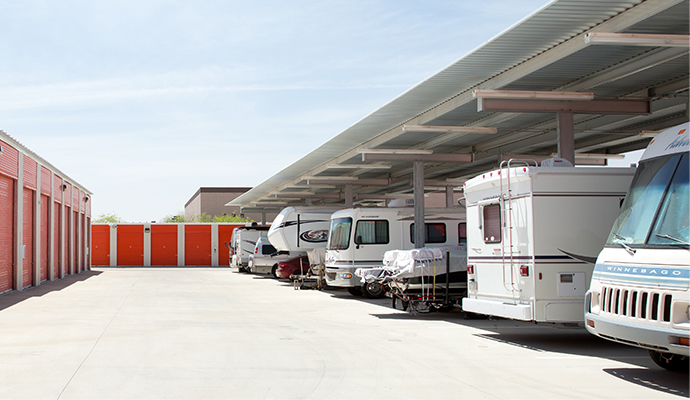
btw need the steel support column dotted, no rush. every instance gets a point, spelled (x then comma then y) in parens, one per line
(418, 179)
(566, 136)
(348, 195)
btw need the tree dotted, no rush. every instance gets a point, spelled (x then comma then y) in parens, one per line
(179, 217)
(109, 218)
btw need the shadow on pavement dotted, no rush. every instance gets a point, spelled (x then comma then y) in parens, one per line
(658, 379)
(11, 298)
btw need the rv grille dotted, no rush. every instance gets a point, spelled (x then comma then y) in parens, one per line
(647, 305)
(330, 276)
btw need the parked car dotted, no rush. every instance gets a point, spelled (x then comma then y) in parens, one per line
(289, 267)
(265, 258)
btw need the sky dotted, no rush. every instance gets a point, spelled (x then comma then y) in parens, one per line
(144, 102)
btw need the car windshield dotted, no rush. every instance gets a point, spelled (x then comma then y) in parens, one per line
(655, 210)
(339, 236)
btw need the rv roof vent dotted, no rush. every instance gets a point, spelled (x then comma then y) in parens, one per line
(401, 203)
(556, 162)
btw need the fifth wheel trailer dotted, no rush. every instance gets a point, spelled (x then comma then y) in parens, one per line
(533, 233)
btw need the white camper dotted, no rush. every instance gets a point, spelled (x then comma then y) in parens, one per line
(301, 228)
(359, 237)
(533, 233)
(640, 289)
(243, 242)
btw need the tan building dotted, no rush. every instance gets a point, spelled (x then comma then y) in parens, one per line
(212, 200)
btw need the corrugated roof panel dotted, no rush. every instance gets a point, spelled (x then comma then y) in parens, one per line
(555, 23)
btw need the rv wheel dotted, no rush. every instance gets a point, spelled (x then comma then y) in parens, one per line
(670, 361)
(373, 290)
(274, 271)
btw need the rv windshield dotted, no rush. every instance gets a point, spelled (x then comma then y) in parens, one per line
(339, 236)
(655, 210)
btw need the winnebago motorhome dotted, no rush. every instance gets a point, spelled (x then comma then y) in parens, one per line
(533, 233)
(359, 237)
(243, 242)
(639, 294)
(301, 228)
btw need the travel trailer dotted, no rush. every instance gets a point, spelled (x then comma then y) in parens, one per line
(639, 294)
(304, 229)
(301, 228)
(359, 237)
(243, 243)
(533, 233)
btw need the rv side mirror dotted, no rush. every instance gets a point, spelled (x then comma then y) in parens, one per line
(358, 240)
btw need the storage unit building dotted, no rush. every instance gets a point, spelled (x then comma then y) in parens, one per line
(45, 219)
(146, 245)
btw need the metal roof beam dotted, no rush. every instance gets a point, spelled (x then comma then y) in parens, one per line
(449, 157)
(637, 39)
(306, 196)
(340, 180)
(580, 107)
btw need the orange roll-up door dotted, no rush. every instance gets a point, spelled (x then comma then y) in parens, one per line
(6, 232)
(45, 243)
(225, 236)
(130, 245)
(101, 245)
(197, 247)
(164, 245)
(28, 239)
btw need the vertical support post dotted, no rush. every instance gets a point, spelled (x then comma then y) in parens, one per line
(447, 277)
(19, 225)
(214, 245)
(449, 196)
(418, 181)
(38, 263)
(113, 245)
(566, 136)
(52, 240)
(147, 245)
(180, 245)
(263, 218)
(348, 195)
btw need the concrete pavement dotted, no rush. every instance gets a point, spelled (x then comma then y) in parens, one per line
(213, 333)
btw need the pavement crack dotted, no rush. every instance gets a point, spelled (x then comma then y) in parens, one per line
(98, 339)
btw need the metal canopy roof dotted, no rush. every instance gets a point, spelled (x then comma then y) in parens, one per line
(562, 47)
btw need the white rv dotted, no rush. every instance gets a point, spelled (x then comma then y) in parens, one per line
(243, 242)
(533, 233)
(639, 294)
(359, 237)
(301, 228)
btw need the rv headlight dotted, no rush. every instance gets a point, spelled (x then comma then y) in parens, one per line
(345, 276)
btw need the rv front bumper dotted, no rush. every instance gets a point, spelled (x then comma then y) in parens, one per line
(522, 312)
(666, 340)
(342, 277)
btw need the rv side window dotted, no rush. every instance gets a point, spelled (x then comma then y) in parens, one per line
(372, 232)
(462, 233)
(492, 223)
(433, 233)
(339, 234)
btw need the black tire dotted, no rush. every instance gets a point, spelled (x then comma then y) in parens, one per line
(355, 291)
(670, 361)
(373, 290)
(274, 271)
